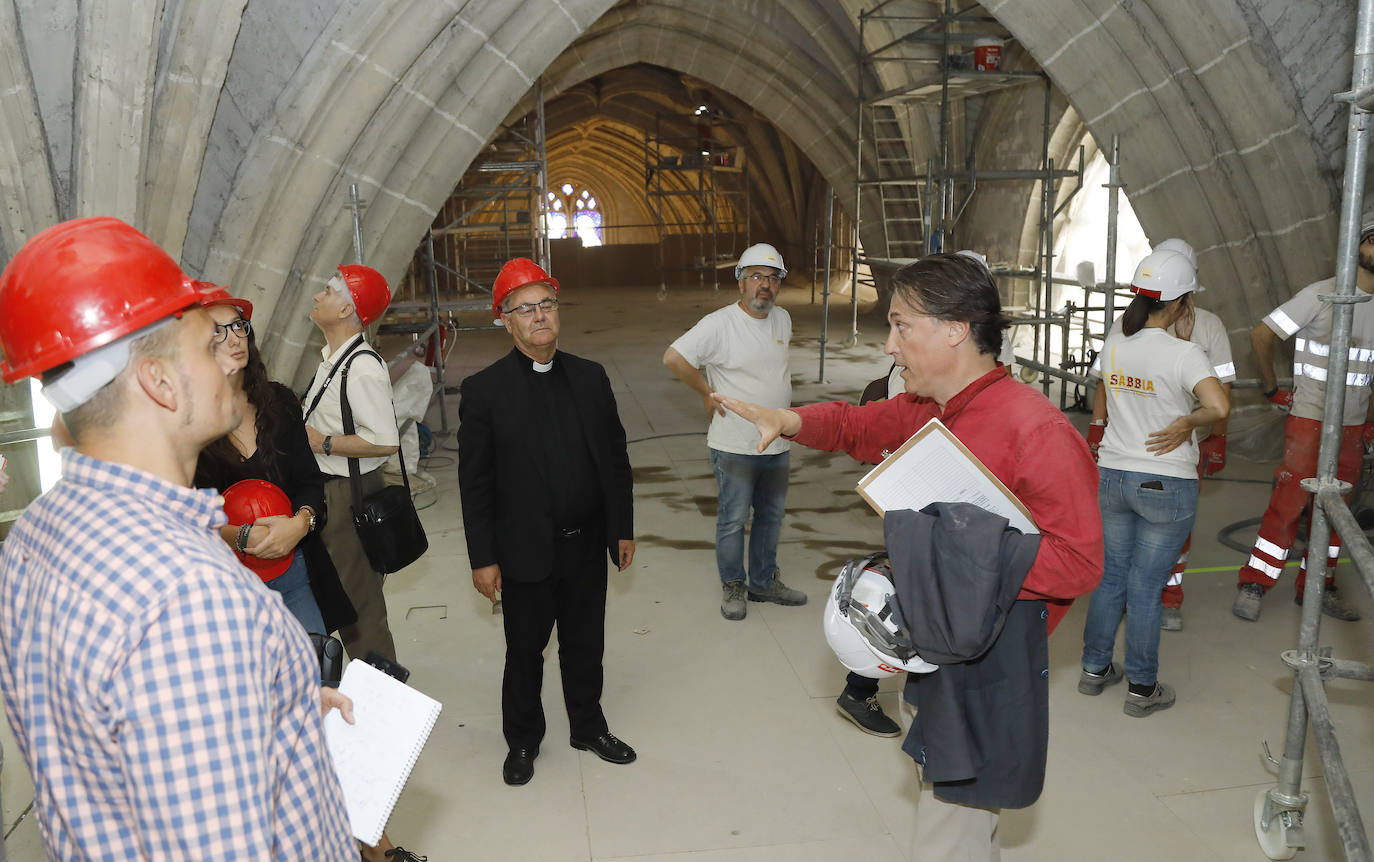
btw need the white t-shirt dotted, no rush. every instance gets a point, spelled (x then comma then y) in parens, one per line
(1209, 333)
(1149, 378)
(745, 358)
(1307, 317)
(369, 397)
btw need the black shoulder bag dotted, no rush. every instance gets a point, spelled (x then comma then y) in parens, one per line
(388, 525)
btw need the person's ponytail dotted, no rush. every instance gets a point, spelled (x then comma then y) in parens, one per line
(1138, 314)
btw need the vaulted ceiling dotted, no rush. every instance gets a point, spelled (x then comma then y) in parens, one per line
(230, 130)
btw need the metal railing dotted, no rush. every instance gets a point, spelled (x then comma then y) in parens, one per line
(1279, 810)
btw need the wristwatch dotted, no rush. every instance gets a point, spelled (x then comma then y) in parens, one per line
(327, 445)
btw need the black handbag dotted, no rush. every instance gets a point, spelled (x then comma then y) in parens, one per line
(388, 525)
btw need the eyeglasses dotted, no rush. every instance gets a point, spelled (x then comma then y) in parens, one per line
(241, 328)
(758, 278)
(527, 308)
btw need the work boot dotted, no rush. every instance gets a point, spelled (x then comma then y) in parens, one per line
(867, 715)
(732, 604)
(778, 593)
(1332, 605)
(1247, 603)
(1091, 684)
(1171, 620)
(1139, 706)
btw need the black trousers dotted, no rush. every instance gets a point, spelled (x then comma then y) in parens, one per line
(574, 598)
(860, 687)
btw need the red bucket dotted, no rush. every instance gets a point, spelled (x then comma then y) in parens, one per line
(987, 55)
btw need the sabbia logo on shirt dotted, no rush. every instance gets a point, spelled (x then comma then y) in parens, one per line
(1119, 379)
(1142, 385)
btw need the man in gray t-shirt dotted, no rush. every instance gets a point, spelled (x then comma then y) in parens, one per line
(741, 351)
(1307, 319)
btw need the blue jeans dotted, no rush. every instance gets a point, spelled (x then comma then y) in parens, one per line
(1143, 530)
(294, 586)
(759, 481)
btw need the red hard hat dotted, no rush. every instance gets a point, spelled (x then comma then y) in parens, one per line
(515, 275)
(80, 285)
(370, 294)
(212, 295)
(246, 501)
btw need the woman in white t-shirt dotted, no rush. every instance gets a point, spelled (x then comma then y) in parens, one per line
(1147, 490)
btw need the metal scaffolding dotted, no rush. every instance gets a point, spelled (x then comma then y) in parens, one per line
(1278, 811)
(919, 209)
(685, 161)
(495, 212)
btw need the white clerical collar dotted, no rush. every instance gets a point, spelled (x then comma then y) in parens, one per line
(542, 367)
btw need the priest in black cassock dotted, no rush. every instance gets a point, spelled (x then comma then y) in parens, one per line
(546, 489)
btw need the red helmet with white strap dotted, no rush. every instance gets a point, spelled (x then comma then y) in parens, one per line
(79, 286)
(368, 289)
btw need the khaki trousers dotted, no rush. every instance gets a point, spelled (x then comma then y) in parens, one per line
(364, 586)
(947, 831)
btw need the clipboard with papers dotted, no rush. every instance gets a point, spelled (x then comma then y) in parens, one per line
(934, 467)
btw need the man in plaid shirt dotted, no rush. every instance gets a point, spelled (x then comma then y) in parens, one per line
(166, 703)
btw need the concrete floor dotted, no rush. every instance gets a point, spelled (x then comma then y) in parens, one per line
(742, 756)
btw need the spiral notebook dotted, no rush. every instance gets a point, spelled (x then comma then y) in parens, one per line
(374, 755)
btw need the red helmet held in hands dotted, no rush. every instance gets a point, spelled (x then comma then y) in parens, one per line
(515, 275)
(248, 500)
(80, 285)
(369, 290)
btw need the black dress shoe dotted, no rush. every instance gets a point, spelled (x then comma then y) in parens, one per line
(606, 747)
(519, 766)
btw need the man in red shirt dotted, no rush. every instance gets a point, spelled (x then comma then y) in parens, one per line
(946, 328)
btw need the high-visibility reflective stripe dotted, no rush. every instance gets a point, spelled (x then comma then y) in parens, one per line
(1268, 548)
(1175, 579)
(1227, 370)
(1283, 321)
(1311, 372)
(1333, 550)
(1272, 572)
(1317, 348)
(1317, 373)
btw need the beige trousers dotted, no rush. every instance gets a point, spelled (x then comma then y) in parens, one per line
(364, 586)
(947, 831)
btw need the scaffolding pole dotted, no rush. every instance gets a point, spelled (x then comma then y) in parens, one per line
(1279, 811)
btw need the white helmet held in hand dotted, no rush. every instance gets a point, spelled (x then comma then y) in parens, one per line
(760, 254)
(863, 624)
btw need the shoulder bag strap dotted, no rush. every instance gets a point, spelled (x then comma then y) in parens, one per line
(315, 402)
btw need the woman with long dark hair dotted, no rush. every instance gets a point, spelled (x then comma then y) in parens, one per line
(1147, 468)
(270, 443)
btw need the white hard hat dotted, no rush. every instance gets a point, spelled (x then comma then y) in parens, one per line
(1180, 246)
(1183, 248)
(1164, 275)
(863, 624)
(760, 254)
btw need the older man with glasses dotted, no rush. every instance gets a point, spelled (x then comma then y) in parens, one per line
(741, 351)
(546, 489)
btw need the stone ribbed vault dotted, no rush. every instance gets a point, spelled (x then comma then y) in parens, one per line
(230, 131)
